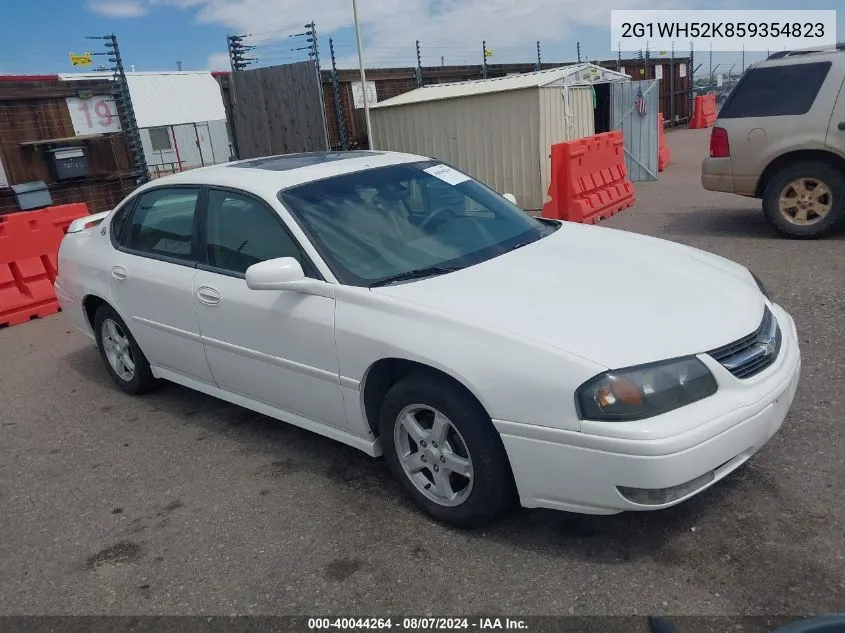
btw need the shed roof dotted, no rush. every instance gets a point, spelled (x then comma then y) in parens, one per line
(573, 75)
(169, 98)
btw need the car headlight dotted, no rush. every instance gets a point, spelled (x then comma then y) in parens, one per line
(642, 392)
(761, 286)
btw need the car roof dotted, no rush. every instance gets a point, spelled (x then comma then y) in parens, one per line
(267, 175)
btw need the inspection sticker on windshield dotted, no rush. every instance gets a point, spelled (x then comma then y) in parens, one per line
(447, 174)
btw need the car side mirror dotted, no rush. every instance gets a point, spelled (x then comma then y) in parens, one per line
(282, 273)
(285, 273)
(510, 198)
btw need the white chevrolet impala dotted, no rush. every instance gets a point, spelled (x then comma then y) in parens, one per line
(397, 305)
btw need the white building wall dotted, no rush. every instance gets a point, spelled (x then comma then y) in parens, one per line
(492, 137)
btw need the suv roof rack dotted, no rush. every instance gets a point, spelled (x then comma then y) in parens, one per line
(804, 51)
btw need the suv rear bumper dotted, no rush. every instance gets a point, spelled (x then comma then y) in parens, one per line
(717, 175)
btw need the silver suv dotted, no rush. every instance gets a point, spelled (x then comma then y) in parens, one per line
(780, 136)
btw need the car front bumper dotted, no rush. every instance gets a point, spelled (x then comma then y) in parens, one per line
(602, 474)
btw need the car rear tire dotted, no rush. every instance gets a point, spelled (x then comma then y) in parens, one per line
(805, 199)
(441, 445)
(124, 360)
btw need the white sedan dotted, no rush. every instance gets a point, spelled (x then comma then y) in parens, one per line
(397, 305)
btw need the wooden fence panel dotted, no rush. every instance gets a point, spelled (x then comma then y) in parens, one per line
(278, 110)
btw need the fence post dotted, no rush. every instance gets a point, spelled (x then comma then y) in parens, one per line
(672, 86)
(123, 100)
(314, 54)
(419, 67)
(690, 82)
(338, 104)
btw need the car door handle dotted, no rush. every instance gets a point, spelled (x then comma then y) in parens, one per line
(119, 273)
(209, 296)
(842, 125)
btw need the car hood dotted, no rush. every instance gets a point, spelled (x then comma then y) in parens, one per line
(612, 297)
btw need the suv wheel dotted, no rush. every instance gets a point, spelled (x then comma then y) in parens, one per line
(805, 199)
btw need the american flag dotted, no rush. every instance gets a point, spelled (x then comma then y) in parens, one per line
(639, 103)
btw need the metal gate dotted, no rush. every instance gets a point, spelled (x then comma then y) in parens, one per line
(638, 125)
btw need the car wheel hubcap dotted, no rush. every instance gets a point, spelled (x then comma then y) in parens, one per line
(805, 201)
(434, 455)
(117, 349)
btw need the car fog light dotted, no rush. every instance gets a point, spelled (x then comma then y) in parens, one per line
(660, 496)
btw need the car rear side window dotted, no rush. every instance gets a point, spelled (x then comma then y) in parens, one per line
(163, 223)
(776, 91)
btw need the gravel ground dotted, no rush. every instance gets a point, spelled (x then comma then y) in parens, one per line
(176, 503)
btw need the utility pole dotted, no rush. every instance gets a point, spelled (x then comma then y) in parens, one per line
(619, 58)
(484, 59)
(743, 59)
(123, 101)
(578, 48)
(419, 66)
(338, 103)
(539, 59)
(179, 65)
(442, 60)
(363, 74)
(647, 66)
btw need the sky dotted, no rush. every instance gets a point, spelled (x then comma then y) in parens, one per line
(153, 34)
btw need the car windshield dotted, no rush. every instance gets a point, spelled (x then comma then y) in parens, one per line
(396, 223)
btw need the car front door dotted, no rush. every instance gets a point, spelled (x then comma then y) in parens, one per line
(151, 278)
(276, 347)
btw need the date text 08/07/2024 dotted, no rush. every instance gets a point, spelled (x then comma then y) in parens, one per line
(417, 624)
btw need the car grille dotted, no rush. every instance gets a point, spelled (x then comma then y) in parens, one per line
(753, 353)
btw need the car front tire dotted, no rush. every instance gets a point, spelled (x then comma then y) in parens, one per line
(805, 199)
(124, 360)
(441, 445)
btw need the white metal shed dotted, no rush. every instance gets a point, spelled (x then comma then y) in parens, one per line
(499, 130)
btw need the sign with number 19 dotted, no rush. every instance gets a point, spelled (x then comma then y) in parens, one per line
(94, 115)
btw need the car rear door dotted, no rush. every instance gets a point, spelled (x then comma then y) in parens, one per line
(152, 275)
(273, 346)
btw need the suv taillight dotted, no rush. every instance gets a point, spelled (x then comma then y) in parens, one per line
(719, 146)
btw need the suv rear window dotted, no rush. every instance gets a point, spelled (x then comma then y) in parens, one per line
(776, 91)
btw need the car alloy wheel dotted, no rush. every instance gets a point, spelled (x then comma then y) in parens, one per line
(118, 350)
(434, 455)
(805, 201)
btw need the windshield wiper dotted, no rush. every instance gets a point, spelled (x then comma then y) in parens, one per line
(418, 273)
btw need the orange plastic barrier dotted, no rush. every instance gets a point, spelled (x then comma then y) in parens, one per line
(664, 154)
(704, 111)
(29, 246)
(588, 179)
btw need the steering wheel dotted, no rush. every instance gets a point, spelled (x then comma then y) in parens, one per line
(435, 214)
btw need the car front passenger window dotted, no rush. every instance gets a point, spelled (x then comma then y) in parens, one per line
(242, 231)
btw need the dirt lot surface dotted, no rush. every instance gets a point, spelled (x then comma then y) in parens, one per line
(177, 503)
